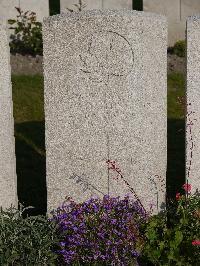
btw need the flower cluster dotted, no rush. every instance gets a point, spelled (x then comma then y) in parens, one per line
(112, 166)
(100, 230)
(173, 235)
(196, 242)
(187, 188)
(185, 203)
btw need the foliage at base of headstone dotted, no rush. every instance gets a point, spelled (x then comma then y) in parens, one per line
(26, 241)
(178, 49)
(108, 231)
(27, 36)
(100, 232)
(173, 237)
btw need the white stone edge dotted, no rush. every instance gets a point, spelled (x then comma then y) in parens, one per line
(105, 12)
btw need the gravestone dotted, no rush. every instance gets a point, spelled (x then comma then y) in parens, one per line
(105, 99)
(8, 182)
(8, 10)
(176, 12)
(193, 107)
(96, 4)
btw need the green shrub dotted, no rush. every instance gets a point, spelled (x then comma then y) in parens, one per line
(180, 48)
(173, 237)
(27, 37)
(26, 241)
(104, 232)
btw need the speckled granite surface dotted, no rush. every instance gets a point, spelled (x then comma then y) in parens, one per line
(8, 182)
(193, 106)
(105, 78)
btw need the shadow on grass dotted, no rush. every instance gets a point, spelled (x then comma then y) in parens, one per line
(31, 166)
(175, 156)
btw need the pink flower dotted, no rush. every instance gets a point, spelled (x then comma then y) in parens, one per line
(112, 166)
(187, 187)
(178, 196)
(196, 242)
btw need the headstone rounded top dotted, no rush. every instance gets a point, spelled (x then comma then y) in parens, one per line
(193, 17)
(105, 12)
(193, 22)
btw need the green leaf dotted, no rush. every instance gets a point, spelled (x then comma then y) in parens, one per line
(11, 21)
(178, 237)
(162, 245)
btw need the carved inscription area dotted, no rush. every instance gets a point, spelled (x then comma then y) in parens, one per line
(107, 54)
(84, 182)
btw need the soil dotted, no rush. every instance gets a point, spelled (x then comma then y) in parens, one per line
(29, 65)
(26, 65)
(176, 63)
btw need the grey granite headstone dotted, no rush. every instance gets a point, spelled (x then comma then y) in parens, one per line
(105, 98)
(193, 106)
(40, 7)
(8, 182)
(96, 4)
(176, 12)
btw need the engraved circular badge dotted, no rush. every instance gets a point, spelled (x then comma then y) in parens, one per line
(107, 54)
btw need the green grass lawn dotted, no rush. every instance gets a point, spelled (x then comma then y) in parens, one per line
(28, 101)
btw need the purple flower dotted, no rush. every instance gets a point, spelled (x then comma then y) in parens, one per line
(113, 221)
(100, 230)
(135, 253)
(62, 244)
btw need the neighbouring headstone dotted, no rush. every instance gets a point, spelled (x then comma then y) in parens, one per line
(8, 182)
(8, 10)
(105, 99)
(40, 7)
(193, 106)
(96, 4)
(176, 12)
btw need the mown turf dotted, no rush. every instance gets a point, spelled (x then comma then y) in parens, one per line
(28, 102)
(28, 98)
(176, 93)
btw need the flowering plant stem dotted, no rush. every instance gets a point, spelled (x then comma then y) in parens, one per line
(112, 166)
